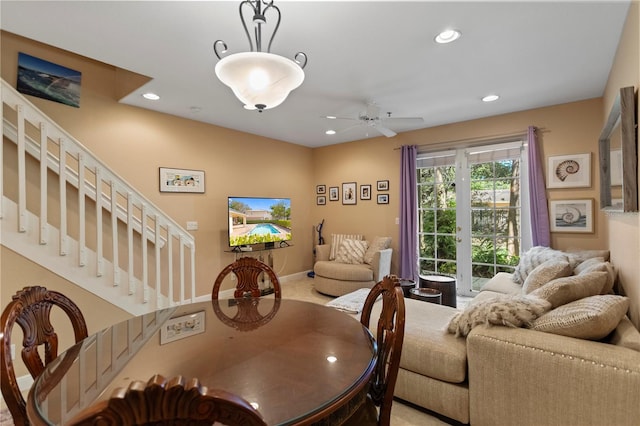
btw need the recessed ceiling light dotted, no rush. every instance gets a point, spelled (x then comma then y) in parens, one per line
(330, 132)
(448, 36)
(151, 96)
(332, 358)
(490, 98)
(331, 117)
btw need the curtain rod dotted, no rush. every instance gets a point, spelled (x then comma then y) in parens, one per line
(469, 142)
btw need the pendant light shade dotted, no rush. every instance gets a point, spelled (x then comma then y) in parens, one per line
(259, 80)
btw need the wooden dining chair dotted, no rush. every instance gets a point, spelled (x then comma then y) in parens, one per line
(389, 333)
(247, 271)
(170, 402)
(247, 316)
(31, 308)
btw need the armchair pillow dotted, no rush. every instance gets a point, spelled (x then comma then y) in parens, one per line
(352, 251)
(336, 240)
(378, 243)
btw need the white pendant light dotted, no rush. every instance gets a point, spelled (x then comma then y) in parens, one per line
(260, 80)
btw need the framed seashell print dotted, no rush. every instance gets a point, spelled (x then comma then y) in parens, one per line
(571, 215)
(569, 171)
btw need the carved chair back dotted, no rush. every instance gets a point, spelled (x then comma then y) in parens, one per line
(389, 334)
(31, 308)
(170, 402)
(247, 271)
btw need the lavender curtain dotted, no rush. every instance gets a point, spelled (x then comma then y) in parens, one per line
(408, 213)
(540, 234)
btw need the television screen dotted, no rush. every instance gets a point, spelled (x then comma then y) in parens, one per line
(254, 220)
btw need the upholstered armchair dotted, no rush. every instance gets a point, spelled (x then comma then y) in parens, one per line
(350, 262)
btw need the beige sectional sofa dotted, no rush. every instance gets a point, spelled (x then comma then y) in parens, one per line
(501, 375)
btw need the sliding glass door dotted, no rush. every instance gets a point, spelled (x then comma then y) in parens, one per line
(470, 212)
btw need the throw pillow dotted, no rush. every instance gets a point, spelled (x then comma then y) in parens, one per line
(508, 310)
(578, 256)
(598, 264)
(378, 243)
(548, 271)
(567, 289)
(532, 258)
(352, 251)
(590, 318)
(336, 240)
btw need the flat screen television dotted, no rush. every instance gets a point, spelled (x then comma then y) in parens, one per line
(254, 220)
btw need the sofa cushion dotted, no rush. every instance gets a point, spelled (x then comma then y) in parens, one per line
(352, 251)
(626, 335)
(589, 318)
(378, 243)
(567, 289)
(343, 271)
(532, 258)
(502, 282)
(336, 239)
(508, 310)
(428, 349)
(548, 271)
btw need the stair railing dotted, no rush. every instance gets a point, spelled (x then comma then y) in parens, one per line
(121, 255)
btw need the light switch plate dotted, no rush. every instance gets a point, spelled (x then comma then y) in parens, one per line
(192, 226)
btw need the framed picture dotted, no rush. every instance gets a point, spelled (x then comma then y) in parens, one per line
(365, 192)
(181, 180)
(334, 193)
(569, 171)
(46, 80)
(383, 198)
(181, 327)
(571, 215)
(383, 185)
(321, 189)
(349, 193)
(321, 200)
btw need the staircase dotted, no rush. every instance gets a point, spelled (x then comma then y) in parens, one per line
(64, 209)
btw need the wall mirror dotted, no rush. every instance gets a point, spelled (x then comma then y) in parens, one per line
(618, 156)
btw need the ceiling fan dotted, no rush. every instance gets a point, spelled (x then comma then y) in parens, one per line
(371, 118)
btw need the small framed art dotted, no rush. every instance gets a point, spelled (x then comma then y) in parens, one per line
(334, 193)
(349, 193)
(383, 185)
(181, 180)
(365, 192)
(181, 327)
(321, 189)
(383, 198)
(321, 200)
(571, 215)
(569, 171)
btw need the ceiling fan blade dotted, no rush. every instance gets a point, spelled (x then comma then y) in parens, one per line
(332, 117)
(346, 129)
(403, 120)
(385, 131)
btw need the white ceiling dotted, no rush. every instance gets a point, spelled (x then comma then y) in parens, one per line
(533, 54)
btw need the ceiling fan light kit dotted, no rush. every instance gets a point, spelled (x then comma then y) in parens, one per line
(260, 80)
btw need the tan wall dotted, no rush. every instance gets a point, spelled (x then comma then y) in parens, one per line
(567, 129)
(136, 142)
(624, 229)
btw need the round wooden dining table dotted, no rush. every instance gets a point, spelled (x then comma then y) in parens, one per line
(297, 362)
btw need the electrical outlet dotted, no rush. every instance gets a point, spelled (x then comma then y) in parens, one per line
(397, 221)
(192, 225)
